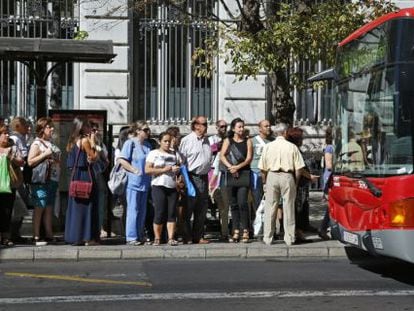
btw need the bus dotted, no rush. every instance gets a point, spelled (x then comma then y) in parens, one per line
(371, 195)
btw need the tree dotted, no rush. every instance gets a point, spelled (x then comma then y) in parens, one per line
(293, 31)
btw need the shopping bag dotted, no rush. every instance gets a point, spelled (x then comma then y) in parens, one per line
(4, 175)
(258, 221)
(191, 192)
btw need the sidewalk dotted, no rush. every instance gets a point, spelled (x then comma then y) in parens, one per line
(113, 249)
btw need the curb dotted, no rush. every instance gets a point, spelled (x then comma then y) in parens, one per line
(255, 250)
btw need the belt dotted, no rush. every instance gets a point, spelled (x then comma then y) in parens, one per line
(280, 171)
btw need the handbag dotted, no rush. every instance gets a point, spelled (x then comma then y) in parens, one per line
(117, 180)
(16, 175)
(41, 172)
(80, 189)
(240, 179)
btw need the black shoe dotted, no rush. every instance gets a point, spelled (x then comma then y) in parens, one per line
(19, 240)
(301, 240)
(323, 235)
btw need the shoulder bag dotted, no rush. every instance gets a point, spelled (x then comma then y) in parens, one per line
(117, 180)
(118, 177)
(80, 189)
(16, 175)
(40, 172)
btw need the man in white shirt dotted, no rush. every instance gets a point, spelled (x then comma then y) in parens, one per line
(259, 141)
(196, 150)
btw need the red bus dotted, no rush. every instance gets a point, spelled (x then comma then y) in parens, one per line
(371, 197)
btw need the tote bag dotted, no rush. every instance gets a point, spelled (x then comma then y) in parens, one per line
(117, 180)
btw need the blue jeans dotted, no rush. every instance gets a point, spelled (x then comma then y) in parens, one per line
(136, 212)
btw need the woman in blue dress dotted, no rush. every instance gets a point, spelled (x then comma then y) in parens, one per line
(82, 215)
(133, 155)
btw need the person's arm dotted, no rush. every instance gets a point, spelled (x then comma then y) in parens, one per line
(36, 156)
(90, 148)
(328, 161)
(125, 157)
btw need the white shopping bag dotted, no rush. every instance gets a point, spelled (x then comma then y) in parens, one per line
(258, 221)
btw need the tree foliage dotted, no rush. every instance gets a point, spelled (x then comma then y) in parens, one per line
(298, 33)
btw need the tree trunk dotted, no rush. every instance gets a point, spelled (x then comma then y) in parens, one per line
(250, 21)
(280, 104)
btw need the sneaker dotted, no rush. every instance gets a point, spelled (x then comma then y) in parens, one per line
(40, 243)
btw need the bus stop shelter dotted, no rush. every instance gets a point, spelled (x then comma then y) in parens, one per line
(35, 53)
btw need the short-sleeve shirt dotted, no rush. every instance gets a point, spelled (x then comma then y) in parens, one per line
(257, 152)
(54, 173)
(162, 159)
(197, 153)
(136, 153)
(281, 155)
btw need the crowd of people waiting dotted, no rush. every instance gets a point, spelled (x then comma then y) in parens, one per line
(231, 169)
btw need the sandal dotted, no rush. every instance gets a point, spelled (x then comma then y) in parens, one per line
(236, 236)
(245, 238)
(172, 242)
(157, 242)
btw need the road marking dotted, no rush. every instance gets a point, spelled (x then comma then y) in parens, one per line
(219, 295)
(76, 279)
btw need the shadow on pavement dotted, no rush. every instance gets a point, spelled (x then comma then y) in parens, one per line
(387, 267)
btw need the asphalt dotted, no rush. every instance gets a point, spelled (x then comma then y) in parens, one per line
(115, 248)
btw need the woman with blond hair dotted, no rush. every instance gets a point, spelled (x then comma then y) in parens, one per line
(44, 154)
(132, 158)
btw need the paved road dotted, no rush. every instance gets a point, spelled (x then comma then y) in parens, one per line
(208, 285)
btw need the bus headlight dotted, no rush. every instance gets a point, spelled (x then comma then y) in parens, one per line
(402, 213)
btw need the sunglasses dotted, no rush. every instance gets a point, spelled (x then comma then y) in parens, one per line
(147, 129)
(223, 126)
(204, 124)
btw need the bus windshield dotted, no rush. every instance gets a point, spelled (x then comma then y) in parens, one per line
(375, 103)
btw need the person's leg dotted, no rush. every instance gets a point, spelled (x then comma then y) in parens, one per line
(47, 221)
(171, 215)
(141, 214)
(7, 201)
(242, 194)
(223, 206)
(37, 220)
(131, 233)
(272, 197)
(235, 211)
(288, 189)
(159, 201)
(200, 208)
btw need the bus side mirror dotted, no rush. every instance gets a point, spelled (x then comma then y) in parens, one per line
(328, 74)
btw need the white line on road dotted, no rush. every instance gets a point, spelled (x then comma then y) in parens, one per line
(184, 296)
